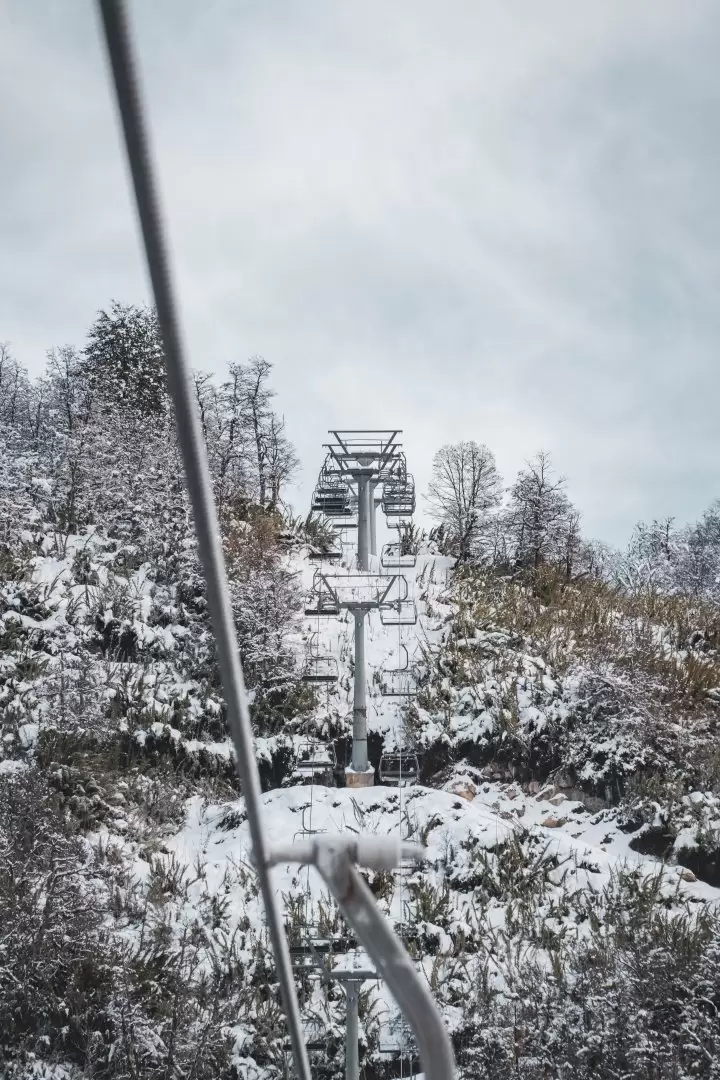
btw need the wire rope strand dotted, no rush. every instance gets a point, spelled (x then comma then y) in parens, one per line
(129, 101)
(400, 807)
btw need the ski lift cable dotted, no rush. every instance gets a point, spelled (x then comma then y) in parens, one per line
(128, 95)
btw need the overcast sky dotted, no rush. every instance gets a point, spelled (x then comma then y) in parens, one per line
(467, 219)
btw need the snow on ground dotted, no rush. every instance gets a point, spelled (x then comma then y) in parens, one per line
(471, 814)
(218, 834)
(468, 828)
(576, 852)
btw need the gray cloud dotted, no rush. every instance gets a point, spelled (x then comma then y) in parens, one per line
(463, 219)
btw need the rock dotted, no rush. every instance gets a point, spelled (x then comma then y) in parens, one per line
(547, 792)
(558, 799)
(533, 787)
(511, 793)
(687, 875)
(553, 822)
(464, 788)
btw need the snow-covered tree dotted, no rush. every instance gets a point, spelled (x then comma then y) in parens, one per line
(124, 359)
(464, 489)
(251, 458)
(541, 523)
(699, 570)
(274, 461)
(652, 558)
(14, 389)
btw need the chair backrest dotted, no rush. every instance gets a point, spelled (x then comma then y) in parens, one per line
(399, 613)
(315, 756)
(320, 669)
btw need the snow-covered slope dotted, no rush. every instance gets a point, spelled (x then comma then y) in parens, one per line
(518, 880)
(537, 925)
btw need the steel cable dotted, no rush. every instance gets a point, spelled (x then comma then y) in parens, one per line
(129, 100)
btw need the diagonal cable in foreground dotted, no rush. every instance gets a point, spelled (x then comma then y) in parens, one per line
(117, 35)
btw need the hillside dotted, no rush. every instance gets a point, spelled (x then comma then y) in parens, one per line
(562, 723)
(565, 743)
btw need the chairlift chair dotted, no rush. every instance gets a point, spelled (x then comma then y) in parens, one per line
(315, 763)
(333, 500)
(392, 558)
(404, 661)
(399, 613)
(398, 504)
(395, 470)
(400, 681)
(333, 495)
(319, 668)
(399, 497)
(399, 770)
(305, 830)
(326, 602)
(401, 521)
(325, 606)
(403, 1048)
(320, 555)
(308, 954)
(398, 684)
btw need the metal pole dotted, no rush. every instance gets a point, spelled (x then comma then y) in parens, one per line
(373, 524)
(363, 522)
(190, 437)
(359, 747)
(352, 1057)
(334, 857)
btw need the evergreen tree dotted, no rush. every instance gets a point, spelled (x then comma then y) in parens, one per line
(124, 359)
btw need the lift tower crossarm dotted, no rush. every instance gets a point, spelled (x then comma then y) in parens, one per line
(367, 591)
(361, 458)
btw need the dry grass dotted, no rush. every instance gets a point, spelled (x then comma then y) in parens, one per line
(672, 639)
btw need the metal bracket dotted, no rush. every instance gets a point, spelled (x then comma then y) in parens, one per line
(336, 857)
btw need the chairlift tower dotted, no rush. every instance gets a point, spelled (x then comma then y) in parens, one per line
(365, 459)
(357, 463)
(359, 594)
(352, 978)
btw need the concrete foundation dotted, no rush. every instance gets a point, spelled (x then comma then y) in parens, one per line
(355, 779)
